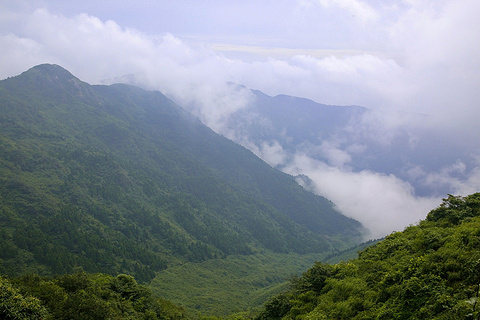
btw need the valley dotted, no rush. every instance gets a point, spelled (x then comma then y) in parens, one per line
(239, 160)
(117, 203)
(116, 179)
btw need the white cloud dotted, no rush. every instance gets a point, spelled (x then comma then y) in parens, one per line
(271, 152)
(22, 54)
(213, 104)
(433, 67)
(382, 203)
(438, 49)
(335, 156)
(457, 177)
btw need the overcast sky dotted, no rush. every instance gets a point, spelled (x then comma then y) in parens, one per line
(418, 56)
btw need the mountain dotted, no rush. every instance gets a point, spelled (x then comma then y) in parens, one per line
(292, 121)
(279, 127)
(117, 179)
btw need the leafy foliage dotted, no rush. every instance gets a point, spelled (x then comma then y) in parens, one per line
(428, 271)
(83, 296)
(13, 305)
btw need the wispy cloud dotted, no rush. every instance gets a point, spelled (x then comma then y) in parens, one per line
(383, 203)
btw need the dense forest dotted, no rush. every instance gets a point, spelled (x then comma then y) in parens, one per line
(116, 179)
(428, 271)
(82, 296)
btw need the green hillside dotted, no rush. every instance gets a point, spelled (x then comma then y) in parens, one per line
(97, 182)
(238, 283)
(429, 271)
(116, 179)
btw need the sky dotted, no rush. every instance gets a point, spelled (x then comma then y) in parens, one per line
(398, 57)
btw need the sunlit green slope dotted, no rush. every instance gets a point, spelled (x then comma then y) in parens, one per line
(429, 271)
(116, 179)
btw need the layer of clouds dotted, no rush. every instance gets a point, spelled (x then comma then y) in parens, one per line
(432, 63)
(381, 202)
(423, 60)
(452, 176)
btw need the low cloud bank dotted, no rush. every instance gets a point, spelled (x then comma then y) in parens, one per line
(382, 203)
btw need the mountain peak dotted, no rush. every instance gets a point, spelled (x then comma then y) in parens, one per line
(51, 79)
(50, 72)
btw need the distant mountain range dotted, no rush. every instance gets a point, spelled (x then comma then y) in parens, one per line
(409, 146)
(349, 154)
(117, 179)
(350, 136)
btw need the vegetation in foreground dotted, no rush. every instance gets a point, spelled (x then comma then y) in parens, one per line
(429, 271)
(233, 284)
(82, 296)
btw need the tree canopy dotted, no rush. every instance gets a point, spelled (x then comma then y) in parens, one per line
(428, 271)
(82, 296)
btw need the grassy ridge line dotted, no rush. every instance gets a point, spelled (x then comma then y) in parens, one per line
(234, 284)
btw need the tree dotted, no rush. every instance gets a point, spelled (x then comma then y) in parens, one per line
(15, 306)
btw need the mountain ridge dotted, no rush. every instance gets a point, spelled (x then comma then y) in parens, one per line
(119, 179)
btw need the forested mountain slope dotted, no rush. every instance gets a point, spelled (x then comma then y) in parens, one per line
(428, 271)
(116, 179)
